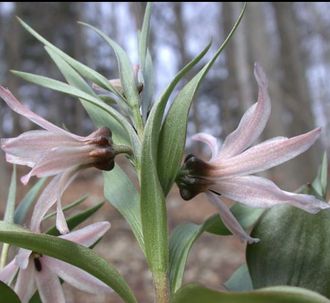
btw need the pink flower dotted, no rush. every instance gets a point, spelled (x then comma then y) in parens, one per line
(55, 151)
(228, 172)
(42, 273)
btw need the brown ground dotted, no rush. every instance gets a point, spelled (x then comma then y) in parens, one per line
(211, 261)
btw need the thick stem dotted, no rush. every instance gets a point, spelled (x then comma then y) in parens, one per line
(122, 149)
(161, 288)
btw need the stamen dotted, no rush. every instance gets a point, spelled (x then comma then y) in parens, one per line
(37, 264)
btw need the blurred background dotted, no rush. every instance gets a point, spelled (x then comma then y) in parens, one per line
(290, 40)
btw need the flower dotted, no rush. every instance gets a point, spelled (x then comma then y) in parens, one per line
(41, 272)
(228, 172)
(55, 151)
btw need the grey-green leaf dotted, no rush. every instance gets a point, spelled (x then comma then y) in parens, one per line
(320, 183)
(174, 130)
(185, 235)
(293, 249)
(69, 252)
(240, 280)
(195, 294)
(7, 295)
(121, 193)
(25, 204)
(11, 199)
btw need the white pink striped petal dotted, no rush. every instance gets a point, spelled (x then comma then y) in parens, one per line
(88, 235)
(253, 121)
(210, 141)
(48, 284)
(22, 258)
(229, 220)
(60, 159)
(25, 284)
(265, 155)
(76, 277)
(8, 272)
(19, 108)
(260, 192)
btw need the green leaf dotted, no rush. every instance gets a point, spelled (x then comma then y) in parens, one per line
(321, 181)
(185, 235)
(100, 118)
(67, 207)
(84, 70)
(174, 130)
(67, 89)
(153, 209)
(144, 36)
(126, 77)
(25, 204)
(195, 294)
(240, 280)
(69, 252)
(121, 194)
(294, 249)
(7, 295)
(148, 86)
(77, 219)
(11, 199)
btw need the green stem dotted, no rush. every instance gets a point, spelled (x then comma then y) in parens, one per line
(161, 288)
(138, 120)
(122, 149)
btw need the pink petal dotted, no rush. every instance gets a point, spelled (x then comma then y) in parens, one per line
(229, 220)
(25, 286)
(46, 200)
(265, 155)
(210, 141)
(253, 121)
(8, 273)
(22, 258)
(60, 159)
(65, 180)
(260, 192)
(48, 284)
(76, 277)
(19, 108)
(29, 147)
(88, 235)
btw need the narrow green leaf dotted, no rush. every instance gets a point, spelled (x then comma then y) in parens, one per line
(174, 130)
(321, 181)
(126, 77)
(84, 70)
(148, 86)
(25, 204)
(100, 118)
(185, 235)
(77, 219)
(144, 35)
(121, 194)
(293, 249)
(240, 280)
(7, 295)
(67, 89)
(195, 294)
(69, 252)
(68, 207)
(11, 199)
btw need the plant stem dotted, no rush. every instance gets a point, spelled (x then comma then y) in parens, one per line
(161, 287)
(4, 254)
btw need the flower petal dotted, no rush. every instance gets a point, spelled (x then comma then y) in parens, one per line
(76, 277)
(265, 155)
(19, 108)
(60, 159)
(253, 121)
(210, 141)
(8, 272)
(48, 284)
(88, 235)
(25, 286)
(260, 192)
(29, 147)
(22, 258)
(229, 220)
